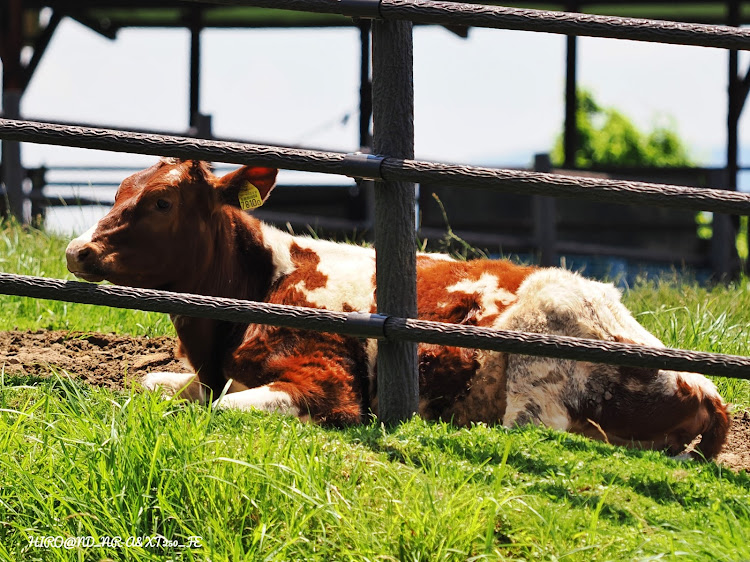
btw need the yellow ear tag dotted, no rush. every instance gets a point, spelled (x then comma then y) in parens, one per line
(249, 197)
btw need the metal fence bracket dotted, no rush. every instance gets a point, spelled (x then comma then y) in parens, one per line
(361, 165)
(366, 9)
(364, 325)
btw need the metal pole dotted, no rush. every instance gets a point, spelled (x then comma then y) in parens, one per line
(365, 86)
(367, 187)
(733, 105)
(723, 234)
(545, 218)
(38, 203)
(570, 135)
(195, 66)
(395, 224)
(11, 100)
(12, 166)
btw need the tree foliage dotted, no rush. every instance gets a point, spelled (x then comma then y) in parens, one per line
(607, 137)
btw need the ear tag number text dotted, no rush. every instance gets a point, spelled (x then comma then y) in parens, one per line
(249, 197)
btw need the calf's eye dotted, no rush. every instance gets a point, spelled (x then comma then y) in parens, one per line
(163, 204)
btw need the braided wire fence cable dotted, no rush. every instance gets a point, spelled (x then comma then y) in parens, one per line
(510, 181)
(500, 17)
(374, 326)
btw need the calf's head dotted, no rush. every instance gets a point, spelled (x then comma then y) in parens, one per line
(654, 409)
(164, 224)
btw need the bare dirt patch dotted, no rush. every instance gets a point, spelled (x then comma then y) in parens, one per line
(98, 359)
(115, 361)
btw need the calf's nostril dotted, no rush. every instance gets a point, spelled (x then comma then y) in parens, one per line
(83, 253)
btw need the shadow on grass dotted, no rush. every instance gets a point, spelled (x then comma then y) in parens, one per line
(536, 453)
(546, 460)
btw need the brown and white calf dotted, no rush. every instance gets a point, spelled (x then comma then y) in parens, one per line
(177, 227)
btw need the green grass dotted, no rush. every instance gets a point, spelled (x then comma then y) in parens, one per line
(32, 252)
(685, 315)
(82, 462)
(77, 461)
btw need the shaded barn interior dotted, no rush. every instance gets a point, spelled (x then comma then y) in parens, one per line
(514, 223)
(546, 227)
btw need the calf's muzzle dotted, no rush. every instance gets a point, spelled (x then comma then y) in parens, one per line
(82, 258)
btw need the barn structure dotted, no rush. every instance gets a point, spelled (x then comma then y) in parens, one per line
(523, 224)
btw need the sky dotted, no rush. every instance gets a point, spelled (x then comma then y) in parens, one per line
(493, 99)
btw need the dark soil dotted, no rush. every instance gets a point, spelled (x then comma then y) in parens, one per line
(98, 359)
(116, 361)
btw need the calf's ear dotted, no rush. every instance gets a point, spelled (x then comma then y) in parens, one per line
(246, 188)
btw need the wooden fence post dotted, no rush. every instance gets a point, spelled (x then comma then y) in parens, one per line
(38, 177)
(395, 215)
(722, 236)
(13, 173)
(545, 219)
(11, 45)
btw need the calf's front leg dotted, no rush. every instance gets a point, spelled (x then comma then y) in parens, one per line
(266, 398)
(320, 376)
(180, 385)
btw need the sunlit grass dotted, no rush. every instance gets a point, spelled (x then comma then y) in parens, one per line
(78, 462)
(686, 315)
(33, 252)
